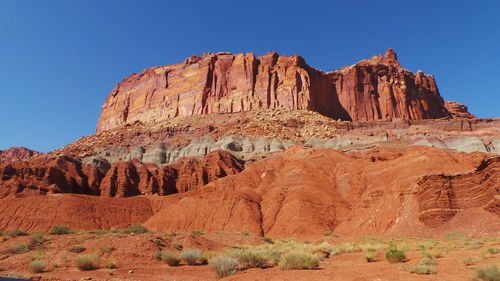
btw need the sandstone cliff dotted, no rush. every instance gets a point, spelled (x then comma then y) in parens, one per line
(373, 89)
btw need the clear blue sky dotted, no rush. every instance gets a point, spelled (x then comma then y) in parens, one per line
(60, 59)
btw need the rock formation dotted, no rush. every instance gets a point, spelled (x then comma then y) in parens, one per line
(458, 110)
(378, 88)
(16, 154)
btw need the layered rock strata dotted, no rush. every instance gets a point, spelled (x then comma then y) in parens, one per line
(378, 88)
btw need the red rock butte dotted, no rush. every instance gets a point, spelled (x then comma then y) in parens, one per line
(373, 89)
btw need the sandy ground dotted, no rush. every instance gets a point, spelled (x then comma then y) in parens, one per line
(134, 255)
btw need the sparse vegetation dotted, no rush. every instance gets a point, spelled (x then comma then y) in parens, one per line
(493, 251)
(453, 236)
(298, 260)
(110, 264)
(197, 232)
(88, 262)
(394, 255)
(428, 261)
(422, 269)
(38, 239)
(468, 261)
(249, 258)
(191, 256)
(327, 233)
(18, 249)
(246, 233)
(137, 228)
(223, 266)
(371, 256)
(491, 273)
(60, 230)
(268, 240)
(107, 248)
(206, 256)
(76, 249)
(171, 258)
(15, 233)
(38, 266)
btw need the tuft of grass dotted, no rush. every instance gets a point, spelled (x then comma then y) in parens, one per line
(38, 239)
(423, 269)
(371, 256)
(268, 240)
(77, 249)
(171, 258)
(15, 233)
(493, 251)
(137, 228)
(298, 260)
(468, 261)
(18, 249)
(197, 232)
(191, 256)
(436, 254)
(327, 233)
(223, 266)
(159, 241)
(246, 233)
(394, 255)
(38, 266)
(491, 273)
(177, 245)
(427, 261)
(13, 275)
(110, 264)
(88, 262)
(60, 230)
(107, 248)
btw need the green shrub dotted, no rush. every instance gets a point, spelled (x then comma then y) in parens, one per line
(206, 256)
(298, 260)
(38, 266)
(493, 250)
(428, 261)
(15, 233)
(177, 245)
(38, 238)
(171, 258)
(88, 262)
(246, 233)
(268, 240)
(60, 230)
(197, 232)
(274, 258)
(491, 273)
(76, 249)
(191, 256)
(422, 269)
(107, 248)
(137, 228)
(327, 233)
(223, 266)
(18, 249)
(371, 256)
(249, 258)
(395, 255)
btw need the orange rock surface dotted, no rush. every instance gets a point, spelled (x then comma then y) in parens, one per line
(378, 88)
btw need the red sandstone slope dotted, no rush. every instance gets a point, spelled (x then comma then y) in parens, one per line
(300, 192)
(373, 89)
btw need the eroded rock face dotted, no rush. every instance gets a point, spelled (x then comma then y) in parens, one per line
(373, 89)
(63, 174)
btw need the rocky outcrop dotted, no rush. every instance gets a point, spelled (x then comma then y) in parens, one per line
(16, 154)
(378, 88)
(458, 110)
(46, 175)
